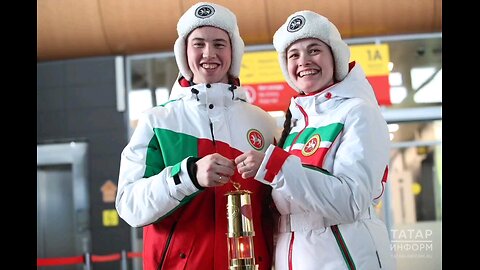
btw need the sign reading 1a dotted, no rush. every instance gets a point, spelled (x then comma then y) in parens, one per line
(374, 55)
(266, 87)
(374, 59)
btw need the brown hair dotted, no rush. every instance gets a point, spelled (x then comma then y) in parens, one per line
(286, 128)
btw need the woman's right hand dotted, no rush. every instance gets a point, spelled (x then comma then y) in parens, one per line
(214, 170)
(248, 163)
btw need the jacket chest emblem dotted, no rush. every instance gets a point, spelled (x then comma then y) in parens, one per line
(255, 139)
(311, 146)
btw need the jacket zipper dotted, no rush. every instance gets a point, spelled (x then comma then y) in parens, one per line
(167, 245)
(211, 132)
(378, 258)
(305, 115)
(373, 243)
(290, 251)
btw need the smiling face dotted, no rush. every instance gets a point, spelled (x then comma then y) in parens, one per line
(310, 64)
(209, 54)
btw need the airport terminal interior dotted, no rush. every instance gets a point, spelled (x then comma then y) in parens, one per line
(89, 100)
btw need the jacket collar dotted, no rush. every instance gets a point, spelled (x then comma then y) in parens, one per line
(355, 85)
(216, 94)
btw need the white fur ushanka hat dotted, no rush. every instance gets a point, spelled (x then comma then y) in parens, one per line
(208, 14)
(308, 24)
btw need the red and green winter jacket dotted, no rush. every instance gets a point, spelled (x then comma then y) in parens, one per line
(184, 227)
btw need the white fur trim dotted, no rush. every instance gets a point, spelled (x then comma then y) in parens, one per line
(308, 24)
(214, 15)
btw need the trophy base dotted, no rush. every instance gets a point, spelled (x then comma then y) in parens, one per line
(243, 264)
(244, 267)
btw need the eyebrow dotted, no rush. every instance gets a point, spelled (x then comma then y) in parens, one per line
(316, 44)
(309, 46)
(215, 40)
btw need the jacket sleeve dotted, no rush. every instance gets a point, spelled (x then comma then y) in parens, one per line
(147, 190)
(340, 196)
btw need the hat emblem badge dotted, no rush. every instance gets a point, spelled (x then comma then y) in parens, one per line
(296, 23)
(204, 11)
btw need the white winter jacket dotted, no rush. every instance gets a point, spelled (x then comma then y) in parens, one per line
(330, 173)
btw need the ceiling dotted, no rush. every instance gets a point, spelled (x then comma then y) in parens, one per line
(72, 29)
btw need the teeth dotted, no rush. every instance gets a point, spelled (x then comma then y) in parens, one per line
(210, 66)
(307, 72)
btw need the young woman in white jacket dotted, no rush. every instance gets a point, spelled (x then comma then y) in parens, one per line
(331, 164)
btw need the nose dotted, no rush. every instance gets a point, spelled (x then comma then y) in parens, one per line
(208, 51)
(305, 60)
